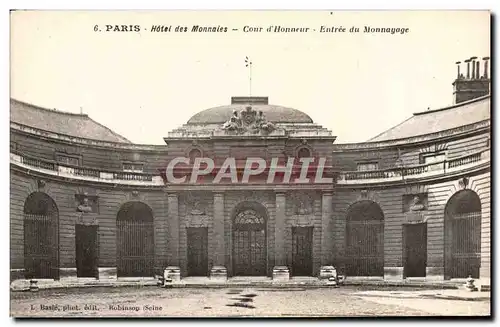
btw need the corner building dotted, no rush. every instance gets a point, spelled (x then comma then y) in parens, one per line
(412, 202)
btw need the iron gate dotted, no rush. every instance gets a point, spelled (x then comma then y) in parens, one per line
(40, 246)
(365, 248)
(466, 245)
(249, 243)
(135, 248)
(302, 251)
(197, 242)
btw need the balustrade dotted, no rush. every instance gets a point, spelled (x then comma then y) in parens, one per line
(398, 173)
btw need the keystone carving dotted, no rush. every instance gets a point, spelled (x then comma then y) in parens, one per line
(463, 182)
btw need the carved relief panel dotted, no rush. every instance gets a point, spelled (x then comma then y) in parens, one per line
(414, 207)
(196, 212)
(302, 209)
(86, 203)
(87, 208)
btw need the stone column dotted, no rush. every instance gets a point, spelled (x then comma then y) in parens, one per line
(218, 270)
(173, 269)
(327, 229)
(280, 270)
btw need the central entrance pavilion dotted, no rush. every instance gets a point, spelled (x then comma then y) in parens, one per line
(249, 224)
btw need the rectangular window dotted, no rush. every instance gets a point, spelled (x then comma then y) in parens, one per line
(367, 166)
(68, 160)
(133, 167)
(428, 158)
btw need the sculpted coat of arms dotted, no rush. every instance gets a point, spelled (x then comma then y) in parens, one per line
(248, 121)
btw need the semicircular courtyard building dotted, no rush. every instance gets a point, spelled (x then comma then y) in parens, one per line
(412, 202)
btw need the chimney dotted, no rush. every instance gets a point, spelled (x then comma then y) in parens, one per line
(468, 68)
(473, 86)
(473, 59)
(485, 75)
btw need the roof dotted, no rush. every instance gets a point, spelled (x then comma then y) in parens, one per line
(433, 121)
(78, 125)
(273, 113)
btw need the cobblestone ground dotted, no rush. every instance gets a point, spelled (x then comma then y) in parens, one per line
(232, 302)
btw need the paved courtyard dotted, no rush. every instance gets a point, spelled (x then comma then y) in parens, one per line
(237, 302)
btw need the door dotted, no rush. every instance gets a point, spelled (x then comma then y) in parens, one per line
(86, 251)
(197, 243)
(415, 244)
(250, 252)
(302, 251)
(249, 244)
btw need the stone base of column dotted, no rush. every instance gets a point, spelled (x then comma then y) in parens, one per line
(172, 274)
(218, 273)
(326, 272)
(107, 273)
(281, 274)
(434, 273)
(393, 273)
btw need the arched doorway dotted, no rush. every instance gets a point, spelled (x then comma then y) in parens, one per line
(135, 240)
(365, 239)
(463, 235)
(41, 236)
(249, 240)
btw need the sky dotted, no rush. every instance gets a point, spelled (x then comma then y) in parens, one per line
(144, 84)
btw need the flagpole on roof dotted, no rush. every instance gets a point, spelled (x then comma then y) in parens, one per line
(248, 63)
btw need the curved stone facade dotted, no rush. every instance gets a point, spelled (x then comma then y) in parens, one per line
(302, 227)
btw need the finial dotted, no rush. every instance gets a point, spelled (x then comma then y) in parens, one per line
(248, 63)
